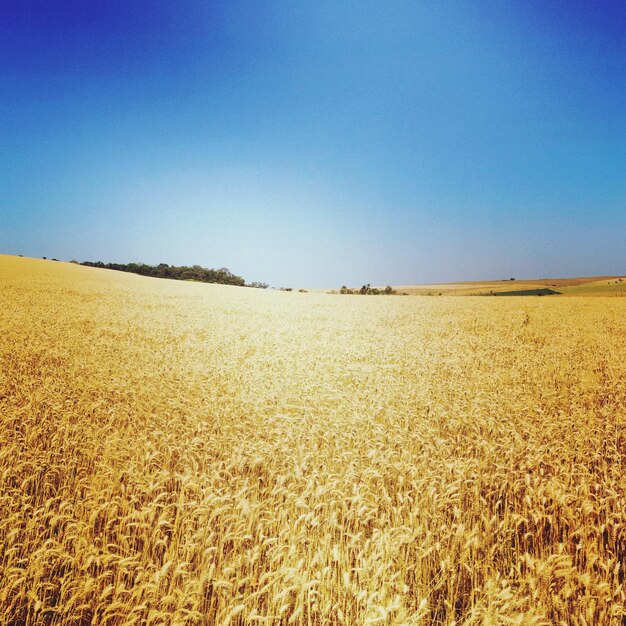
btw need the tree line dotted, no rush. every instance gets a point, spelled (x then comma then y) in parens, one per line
(367, 290)
(223, 276)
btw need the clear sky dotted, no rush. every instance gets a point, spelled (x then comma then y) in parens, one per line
(317, 143)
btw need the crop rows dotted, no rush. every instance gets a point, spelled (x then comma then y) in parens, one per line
(189, 454)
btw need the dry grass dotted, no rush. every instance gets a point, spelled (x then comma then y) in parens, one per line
(175, 453)
(592, 285)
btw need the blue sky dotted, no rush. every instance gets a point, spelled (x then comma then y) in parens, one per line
(317, 143)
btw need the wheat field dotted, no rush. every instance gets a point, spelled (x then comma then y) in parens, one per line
(188, 454)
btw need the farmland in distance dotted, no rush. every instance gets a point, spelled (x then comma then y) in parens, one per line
(581, 286)
(185, 453)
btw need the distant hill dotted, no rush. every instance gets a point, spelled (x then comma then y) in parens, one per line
(197, 273)
(580, 286)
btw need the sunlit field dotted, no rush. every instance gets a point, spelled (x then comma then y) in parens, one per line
(589, 286)
(191, 454)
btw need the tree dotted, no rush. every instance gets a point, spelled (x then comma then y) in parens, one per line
(183, 272)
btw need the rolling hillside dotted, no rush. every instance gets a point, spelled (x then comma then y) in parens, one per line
(594, 285)
(176, 453)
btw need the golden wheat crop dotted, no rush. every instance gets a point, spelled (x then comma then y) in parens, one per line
(190, 454)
